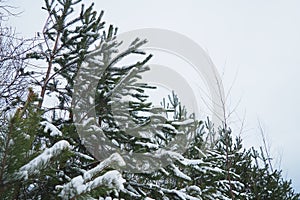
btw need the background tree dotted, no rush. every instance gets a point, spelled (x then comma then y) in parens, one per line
(13, 82)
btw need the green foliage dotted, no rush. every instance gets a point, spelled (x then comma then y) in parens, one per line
(226, 172)
(17, 172)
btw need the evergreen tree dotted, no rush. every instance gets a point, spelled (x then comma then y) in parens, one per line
(228, 171)
(25, 162)
(68, 44)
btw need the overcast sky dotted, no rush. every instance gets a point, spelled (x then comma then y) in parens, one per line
(256, 43)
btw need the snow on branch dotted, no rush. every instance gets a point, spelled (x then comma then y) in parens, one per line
(77, 186)
(115, 158)
(42, 160)
(50, 127)
(180, 193)
(82, 184)
(183, 123)
(179, 173)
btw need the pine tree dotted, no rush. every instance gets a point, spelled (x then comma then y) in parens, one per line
(228, 171)
(23, 164)
(68, 43)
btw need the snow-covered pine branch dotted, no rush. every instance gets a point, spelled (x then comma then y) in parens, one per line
(54, 131)
(83, 183)
(42, 160)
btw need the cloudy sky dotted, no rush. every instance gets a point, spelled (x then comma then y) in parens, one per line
(255, 45)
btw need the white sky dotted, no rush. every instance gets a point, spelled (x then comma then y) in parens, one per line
(257, 42)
